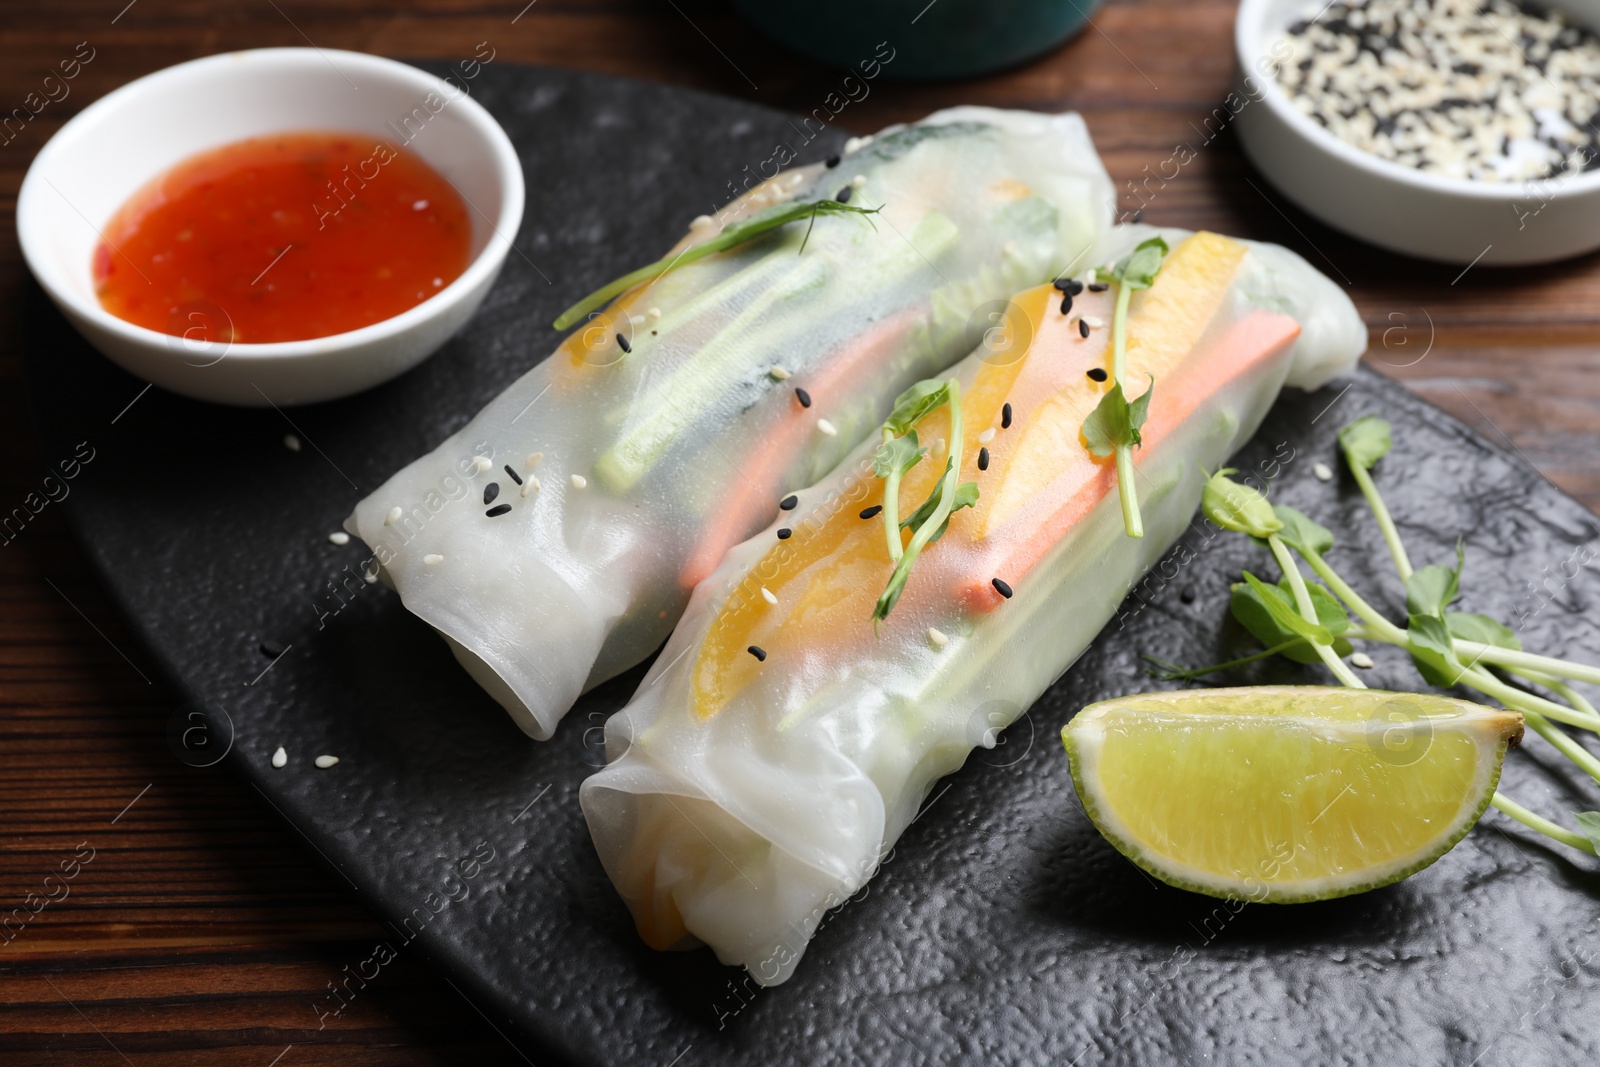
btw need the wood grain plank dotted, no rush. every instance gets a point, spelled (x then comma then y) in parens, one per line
(203, 931)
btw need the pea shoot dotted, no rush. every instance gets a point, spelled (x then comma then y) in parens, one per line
(1307, 621)
(902, 451)
(1113, 427)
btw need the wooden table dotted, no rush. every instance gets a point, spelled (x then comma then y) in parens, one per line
(202, 930)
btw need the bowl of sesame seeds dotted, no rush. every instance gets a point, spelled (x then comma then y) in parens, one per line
(1464, 131)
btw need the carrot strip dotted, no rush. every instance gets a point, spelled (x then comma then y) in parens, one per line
(1258, 337)
(750, 498)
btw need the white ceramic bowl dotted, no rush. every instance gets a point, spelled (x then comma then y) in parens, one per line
(1389, 204)
(100, 158)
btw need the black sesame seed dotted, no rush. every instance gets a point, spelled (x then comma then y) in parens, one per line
(623, 343)
(785, 533)
(513, 474)
(1097, 374)
(833, 161)
(498, 510)
(491, 491)
(1005, 416)
(1074, 287)
(271, 650)
(789, 503)
(1187, 595)
(983, 459)
(1062, 283)
(758, 652)
(843, 195)
(1099, 287)
(1001, 587)
(802, 396)
(872, 512)
(1083, 328)
(1066, 303)
(1138, 216)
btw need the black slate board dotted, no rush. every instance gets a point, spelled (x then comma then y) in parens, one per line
(1002, 929)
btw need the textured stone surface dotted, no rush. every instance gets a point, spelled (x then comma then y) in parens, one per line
(1002, 929)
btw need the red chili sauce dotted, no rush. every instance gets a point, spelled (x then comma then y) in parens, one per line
(291, 236)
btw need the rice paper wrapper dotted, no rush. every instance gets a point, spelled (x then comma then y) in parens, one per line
(742, 829)
(555, 538)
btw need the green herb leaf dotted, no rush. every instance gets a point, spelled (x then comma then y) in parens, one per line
(1432, 651)
(1589, 823)
(1433, 588)
(1261, 611)
(911, 405)
(1482, 629)
(1115, 422)
(897, 455)
(1237, 507)
(1365, 441)
(1302, 534)
(762, 222)
(1138, 269)
(966, 496)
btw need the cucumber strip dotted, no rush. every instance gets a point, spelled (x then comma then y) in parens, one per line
(724, 361)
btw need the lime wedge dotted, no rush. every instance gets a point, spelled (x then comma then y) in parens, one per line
(1282, 793)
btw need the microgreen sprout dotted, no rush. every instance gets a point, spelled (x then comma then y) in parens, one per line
(1305, 620)
(762, 222)
(1113, 427)
(899, 452)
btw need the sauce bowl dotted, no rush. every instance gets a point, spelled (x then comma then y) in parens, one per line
(119, 143)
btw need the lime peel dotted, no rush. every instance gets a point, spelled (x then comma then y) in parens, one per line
(1312, 799)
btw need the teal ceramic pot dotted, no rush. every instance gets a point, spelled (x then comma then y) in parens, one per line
(944, 39)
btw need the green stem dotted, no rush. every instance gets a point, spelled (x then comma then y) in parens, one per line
(1564, 744)
(1127, 490)
(891, 507)
(941, 511)
(730, 237)
(1308, 611)
(1132, 521)
(1402, 562)
(1559, 688)
(1514, 659)
(1541, 824)
(1382, 629)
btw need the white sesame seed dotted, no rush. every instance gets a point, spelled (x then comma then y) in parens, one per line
(654, 313)
(393, 516)
(1362, 660)
(778, 374)
(291, 442)
(339, 537)
(852, 145)
(531, 485)
(637, 320)
(767, 595)
(579, 481)
(858, 181)
(1094, 322)
(1091, 277)
(280, 758)
(433, 559)
(938, 637)
(533, 459)
(324, 762)
(482, 463)
(700, 222)
(986, 436)
(1323, 472)
(827, 427)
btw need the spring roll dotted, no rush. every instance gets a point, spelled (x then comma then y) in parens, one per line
(783, 740)
(554, 539)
